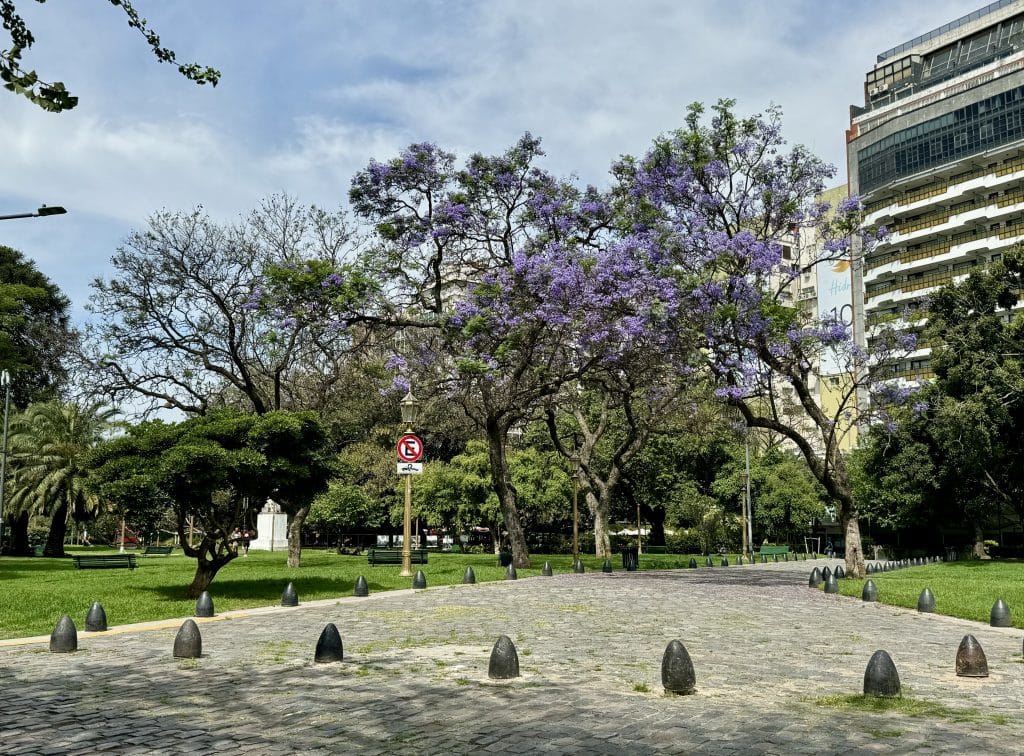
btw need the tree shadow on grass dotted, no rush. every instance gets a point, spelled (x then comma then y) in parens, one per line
(309, 588)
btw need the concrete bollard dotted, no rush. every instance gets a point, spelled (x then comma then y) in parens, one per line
(419, 580)
(881, 678)
(926, 601)
(328, 647)
(361, 588)
(510, 573)
(1000, 615)
(840, 573)
(546, 570)
(469, 577)
(870, 593)
(578, 567)
(970, 658)
(289, 597)
(725, 561)
(64, 638)
(831, 584)
(504, 663)
(204, 605)
(606, 565)
(188, 643)
(96, 619)
(708, 562)
(826, 573)
(815, 578)
(677, 673)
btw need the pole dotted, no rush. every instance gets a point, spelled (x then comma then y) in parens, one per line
(575, 518)
(122, 536)
(639, 534)
(5, 379)
(750, 509)
(743, 520)
(407, 530)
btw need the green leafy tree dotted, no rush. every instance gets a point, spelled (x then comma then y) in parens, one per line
(49, 446)
(211, 468)
(954, 450)
(34, 331)
(361, 493)
(53, 95)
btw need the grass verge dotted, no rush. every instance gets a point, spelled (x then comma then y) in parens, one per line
(962, 589)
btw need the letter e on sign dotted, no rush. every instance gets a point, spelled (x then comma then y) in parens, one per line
(410, 448)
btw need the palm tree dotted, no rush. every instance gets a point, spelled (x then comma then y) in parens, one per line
(49, 444)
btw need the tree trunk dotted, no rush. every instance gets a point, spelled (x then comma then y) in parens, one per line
(599, 508)
(979, 543)
(855, 567)
(17, 543)
(506, 492)
(58, 529)
(295, 536)
(205, 572)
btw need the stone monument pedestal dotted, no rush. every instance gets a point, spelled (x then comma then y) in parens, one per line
(271, 529)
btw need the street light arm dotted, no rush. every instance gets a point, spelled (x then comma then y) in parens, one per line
(42, 212)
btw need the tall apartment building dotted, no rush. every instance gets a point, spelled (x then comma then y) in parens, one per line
(937, 155)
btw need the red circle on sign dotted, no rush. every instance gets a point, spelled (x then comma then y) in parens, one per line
(410, 448)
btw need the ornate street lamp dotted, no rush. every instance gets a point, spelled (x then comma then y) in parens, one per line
(5, 381)
(410, 411)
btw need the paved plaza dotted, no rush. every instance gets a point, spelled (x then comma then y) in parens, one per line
(766, 650)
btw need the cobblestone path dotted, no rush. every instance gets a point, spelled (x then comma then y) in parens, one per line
(767, 651)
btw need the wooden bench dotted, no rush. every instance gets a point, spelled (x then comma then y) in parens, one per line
(656, 549)
(104, 561)
(394, 556)
(161, 550)
(770, 551)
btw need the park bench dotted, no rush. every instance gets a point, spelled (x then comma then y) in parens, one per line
(769, 551)
(656, 549)
(104, 561)
(161, 550)
(394, 556)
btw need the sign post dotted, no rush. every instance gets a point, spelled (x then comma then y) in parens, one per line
(410, 451)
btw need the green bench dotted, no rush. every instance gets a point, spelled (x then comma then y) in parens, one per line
(656, 549)
(394, 556)
(770, 551)
(105, 561)
(160, 550)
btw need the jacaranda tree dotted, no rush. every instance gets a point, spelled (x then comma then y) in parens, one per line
(725, 202)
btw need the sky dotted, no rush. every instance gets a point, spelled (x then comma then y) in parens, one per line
(312, 90)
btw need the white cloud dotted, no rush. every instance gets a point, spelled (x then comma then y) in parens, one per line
(311, 91)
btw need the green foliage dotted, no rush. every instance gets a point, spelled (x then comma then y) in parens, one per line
(54, 96)
(34, 333)
(361, 492)
(211, 468)
(49, 447)
(955, 453)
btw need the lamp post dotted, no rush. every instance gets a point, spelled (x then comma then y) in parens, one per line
(42, 212)
(749, 515)
(5, 381)
(575, 460)
(410, 410)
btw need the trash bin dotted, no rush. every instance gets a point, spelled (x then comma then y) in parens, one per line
(630, 558)
(504, 558)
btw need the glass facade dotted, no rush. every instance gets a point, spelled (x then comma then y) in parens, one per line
(993, 122)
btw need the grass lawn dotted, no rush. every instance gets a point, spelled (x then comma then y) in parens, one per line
(37, 591)
(962, 589)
